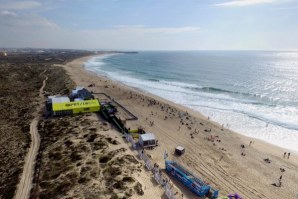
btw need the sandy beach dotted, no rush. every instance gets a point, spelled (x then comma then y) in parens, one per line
(213, 154)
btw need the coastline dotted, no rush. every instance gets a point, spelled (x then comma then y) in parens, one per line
(220, 163)
(265, 130)
(262, 144)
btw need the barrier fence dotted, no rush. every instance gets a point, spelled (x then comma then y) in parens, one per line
(169, 192)
(129, 138)
(160, 178)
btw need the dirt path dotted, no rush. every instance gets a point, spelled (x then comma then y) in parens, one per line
(25, 185)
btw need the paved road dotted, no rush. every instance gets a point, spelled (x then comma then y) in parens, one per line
(25, 184)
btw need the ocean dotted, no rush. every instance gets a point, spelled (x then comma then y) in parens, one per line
(254, 92)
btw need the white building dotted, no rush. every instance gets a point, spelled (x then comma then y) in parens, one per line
(147, 140)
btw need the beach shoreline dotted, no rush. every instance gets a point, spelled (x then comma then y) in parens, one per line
(224, 154)
(195, 112)
(246, 124)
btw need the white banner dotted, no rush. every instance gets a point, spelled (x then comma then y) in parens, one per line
(127, 137)
(148, 164)
(169, 192)
(157, 177)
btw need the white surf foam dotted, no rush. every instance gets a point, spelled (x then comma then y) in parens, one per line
(275, 125)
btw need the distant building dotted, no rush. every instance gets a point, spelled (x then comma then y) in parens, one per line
(53, 100)
(80, 101)
(81, 93)
(3, 54)
(76, 107)
(147, 140)
(61, 105)
(59, 99)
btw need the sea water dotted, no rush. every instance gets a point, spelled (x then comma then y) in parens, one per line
(252, 92)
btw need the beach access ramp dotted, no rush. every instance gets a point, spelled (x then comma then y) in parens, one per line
(126, 113)
(108, 111)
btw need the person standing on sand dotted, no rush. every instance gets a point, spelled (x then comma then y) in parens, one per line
(285, 153)
(289, 155)
(142, 154)
(279, 181)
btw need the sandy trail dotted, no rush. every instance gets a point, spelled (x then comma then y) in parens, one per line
(25, 185)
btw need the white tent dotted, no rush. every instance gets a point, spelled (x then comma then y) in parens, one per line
(147, 140)
(59, 99)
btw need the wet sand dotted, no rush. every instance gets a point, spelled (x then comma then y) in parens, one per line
(213, 154)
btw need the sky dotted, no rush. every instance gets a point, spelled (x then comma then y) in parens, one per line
(150, 24)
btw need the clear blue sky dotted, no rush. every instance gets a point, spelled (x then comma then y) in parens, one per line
(150, 24)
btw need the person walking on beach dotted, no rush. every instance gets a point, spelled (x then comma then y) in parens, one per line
(142, 154)
(289, 155)
(279, 181)
(285, 153)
